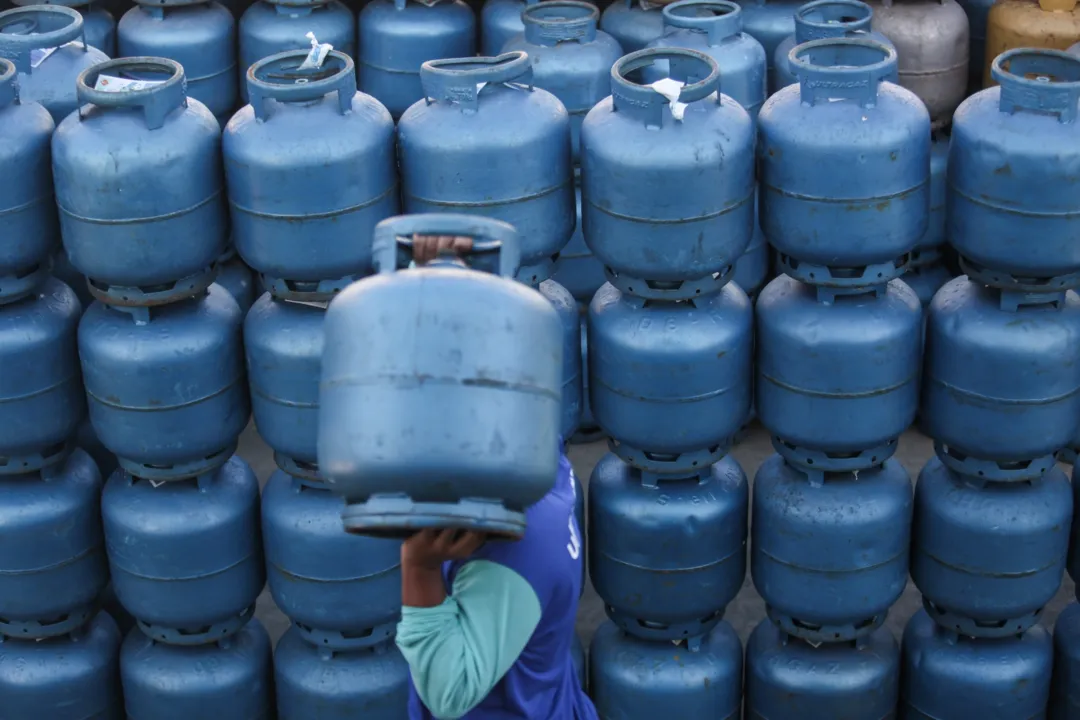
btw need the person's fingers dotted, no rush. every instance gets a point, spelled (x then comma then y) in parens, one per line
(467, 544)
(461, 244)
(427, 247)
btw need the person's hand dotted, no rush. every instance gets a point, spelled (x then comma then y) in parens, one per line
(427, 247)
(429, 549)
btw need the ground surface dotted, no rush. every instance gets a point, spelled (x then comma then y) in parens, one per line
(747, 609)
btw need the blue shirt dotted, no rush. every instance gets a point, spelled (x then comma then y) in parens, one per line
(499, 647)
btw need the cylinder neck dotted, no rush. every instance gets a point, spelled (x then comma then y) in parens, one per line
(9, 84)
(717, 19)
(559, 21)
(830, 19)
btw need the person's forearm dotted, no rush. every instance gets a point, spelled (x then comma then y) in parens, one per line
(422, 587)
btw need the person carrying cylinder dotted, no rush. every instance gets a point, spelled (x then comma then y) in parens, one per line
(487, 627)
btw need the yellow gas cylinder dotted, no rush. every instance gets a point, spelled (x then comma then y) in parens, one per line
(1053, 24)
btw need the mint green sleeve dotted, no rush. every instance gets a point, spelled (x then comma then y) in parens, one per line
(459, 650)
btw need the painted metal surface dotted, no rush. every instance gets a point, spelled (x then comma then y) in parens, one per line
(46, 43)
(635, 158)
(40, 403)
(788, 679)
(570, 57)
(1012, 163)
(185, 556)
(988, 556)
(71, 677)
(670, 381)
(853, 358)
(200, 36)
(52, 560)
(667, 556)
(166, 385)
(314, 683)
(483, 349)
(234, 676)
(844, 214)
(268, 28)
(27, 211)
(949, 675)
(147, 226)
(398, 36)
(932, 41)
(975, 337)
(630, 677)
(632, 23)
(824, 19)
(830, 557)
(342, 591)
(503, 152)
(310, 169)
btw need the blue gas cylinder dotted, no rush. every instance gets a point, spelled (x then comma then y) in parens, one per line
(99, 25)
(64, 271)
(185, 556)
(235, 277)
(147, 226)
(41, 402)
(951, 676)
(87, 439)
(975, 337)
(752, 268)
(715, 27)
(496, 346)
(270, 27)
(70, 677)
(927, 279)
(1065, 681)
(829, 557)
(635, 158)
(853, 357)
(988, 556)
(166, 385)
(789, 679)
(769, 22)
(231, 678)
(571, 59)
(100, 28)
(46, 43)
(929, 247)
(588, 430)
(1011, 162)
(634, 678)
(844, 214)
(310, 169)
(667, 555)
(341, 591)
(283, 341)
(1073, 560)
(201, 36)
(500, 20)
(52, 560)
(317, 683)
(111, 605)
(570, 317)
(578, 270)
(633, 23)
(670, 381)
(31, 234)
(398, 36)
(502, 152)
(825, 19)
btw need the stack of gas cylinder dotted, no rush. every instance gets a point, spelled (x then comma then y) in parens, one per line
(1001, 394)
(839, 341)
(55, 648)
(162, 361)
(302, 234)
(670, 353)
